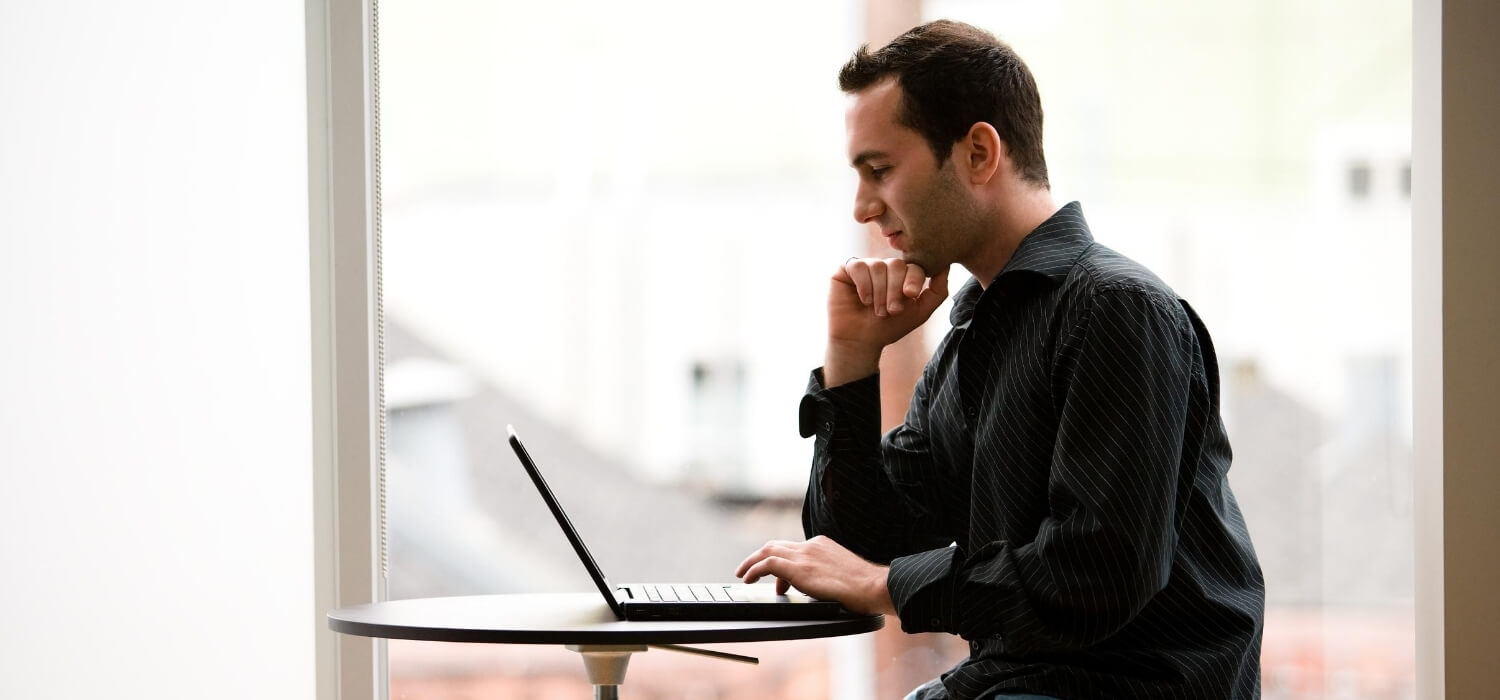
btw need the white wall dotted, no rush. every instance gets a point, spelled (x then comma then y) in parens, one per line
(155, 448)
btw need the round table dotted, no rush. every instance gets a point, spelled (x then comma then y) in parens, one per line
(580, 621)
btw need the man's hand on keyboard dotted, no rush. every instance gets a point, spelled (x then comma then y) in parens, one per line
(823, 569)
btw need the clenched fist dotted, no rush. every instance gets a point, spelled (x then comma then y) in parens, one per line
(873, 302)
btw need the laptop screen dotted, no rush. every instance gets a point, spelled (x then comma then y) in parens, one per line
(562, 520)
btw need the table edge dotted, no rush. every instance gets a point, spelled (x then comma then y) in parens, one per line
(813, 629)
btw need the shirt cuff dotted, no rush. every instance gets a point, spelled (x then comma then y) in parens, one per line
(825, 410)
(921, 588)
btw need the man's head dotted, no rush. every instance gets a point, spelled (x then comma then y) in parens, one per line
(953, 75)
(945, 131)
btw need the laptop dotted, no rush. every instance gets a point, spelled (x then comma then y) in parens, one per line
(682, 601)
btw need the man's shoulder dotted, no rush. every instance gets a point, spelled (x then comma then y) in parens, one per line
(1102, 269)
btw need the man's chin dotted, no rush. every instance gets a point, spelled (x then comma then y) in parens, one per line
(914, 258)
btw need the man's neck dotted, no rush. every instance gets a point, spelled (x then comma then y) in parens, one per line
(1019, 214)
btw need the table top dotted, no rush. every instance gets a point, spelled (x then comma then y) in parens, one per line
(563, 618)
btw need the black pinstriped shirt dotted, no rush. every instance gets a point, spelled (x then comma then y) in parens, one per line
(1057, 495)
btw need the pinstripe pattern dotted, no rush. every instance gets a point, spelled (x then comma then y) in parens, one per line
(1057, 494)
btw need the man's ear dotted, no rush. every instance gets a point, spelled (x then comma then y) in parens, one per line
(984, 153)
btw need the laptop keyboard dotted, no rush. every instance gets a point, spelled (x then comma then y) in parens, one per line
(691, 593)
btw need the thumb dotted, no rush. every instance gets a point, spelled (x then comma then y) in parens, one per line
(936, 291)
(932, 297)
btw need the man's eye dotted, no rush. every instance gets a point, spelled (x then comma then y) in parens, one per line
(878, 173)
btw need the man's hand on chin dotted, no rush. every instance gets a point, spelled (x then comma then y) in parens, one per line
(823, 569)
(873, 302)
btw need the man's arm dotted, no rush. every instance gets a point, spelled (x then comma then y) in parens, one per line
(851, 502)
(864, 491)
(850, 496)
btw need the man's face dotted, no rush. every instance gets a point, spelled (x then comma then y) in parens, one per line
(921, 208)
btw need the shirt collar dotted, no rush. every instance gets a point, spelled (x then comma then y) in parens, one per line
(1045, 255)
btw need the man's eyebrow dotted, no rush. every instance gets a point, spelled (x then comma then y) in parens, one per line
(865, 156)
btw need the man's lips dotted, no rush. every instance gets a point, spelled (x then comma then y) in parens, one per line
(890, 238)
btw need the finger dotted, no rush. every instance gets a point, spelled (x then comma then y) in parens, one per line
(895, 282)
(936, 292)
(771, 547)
(858, 272)
(770, 566)
(939, 284)
(842, 273)
(877, 285)
(755, 557)
(782, 586)
(915, 275)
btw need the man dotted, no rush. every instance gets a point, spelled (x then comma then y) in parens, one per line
(1057, 495)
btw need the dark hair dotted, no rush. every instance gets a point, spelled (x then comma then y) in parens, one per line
(952, 76)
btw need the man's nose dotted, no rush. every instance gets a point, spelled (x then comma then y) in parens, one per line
(867, 208)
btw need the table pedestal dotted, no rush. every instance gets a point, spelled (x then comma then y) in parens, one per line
(605, 664)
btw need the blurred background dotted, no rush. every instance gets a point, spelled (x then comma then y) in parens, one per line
(611, 225)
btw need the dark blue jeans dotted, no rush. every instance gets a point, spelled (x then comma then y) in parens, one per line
(920, 693)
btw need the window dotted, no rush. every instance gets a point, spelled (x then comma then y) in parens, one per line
(576, 224)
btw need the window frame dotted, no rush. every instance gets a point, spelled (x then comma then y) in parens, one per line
(1454, 600)
(346, 347)
(1455, 328)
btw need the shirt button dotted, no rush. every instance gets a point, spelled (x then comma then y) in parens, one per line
(971, 412)
(936, 623)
